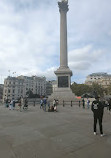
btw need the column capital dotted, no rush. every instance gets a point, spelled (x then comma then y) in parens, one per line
(63, 6)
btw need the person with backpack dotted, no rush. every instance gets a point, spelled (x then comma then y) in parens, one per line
(98, 110)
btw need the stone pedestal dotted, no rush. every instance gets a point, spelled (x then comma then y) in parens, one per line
(63, 90)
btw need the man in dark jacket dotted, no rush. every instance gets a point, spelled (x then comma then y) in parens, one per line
(98, 110)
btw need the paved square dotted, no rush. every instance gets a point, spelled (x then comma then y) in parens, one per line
(64, 134)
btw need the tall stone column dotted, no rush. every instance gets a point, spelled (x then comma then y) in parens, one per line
(63, 73)
(63, 8)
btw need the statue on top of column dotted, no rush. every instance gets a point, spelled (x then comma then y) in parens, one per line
(64, 1)
(63, 5)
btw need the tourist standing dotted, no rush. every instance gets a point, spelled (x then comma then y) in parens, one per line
(44, 102)
(22, 102)
(25, 104)
(83, 103)
(11, 105)
(88, 101)
(98, 109)
(6, 103)
(41, 103)
(48, 103)
(54, 102)
(19, 105)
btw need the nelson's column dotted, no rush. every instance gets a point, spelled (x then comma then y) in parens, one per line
(63, 73)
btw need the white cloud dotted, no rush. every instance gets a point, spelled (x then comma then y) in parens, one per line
(48, 73)
(83, 58)
(86, 60)
(29, 37)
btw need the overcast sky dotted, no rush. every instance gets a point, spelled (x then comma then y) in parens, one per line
(30, 32)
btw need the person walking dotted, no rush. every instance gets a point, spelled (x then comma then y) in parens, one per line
(54, 102)
(48, 103)
(41, 103)
(88, 101)
(44, 102)
(83, 103)
(98, 110)
(19, 105)
(22, 102)
(6, 103)
(11, 105)
(25, 103)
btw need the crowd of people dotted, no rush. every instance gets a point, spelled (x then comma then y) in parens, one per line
(86, 103)
(97, 107)
(51, 108)
(22, 103)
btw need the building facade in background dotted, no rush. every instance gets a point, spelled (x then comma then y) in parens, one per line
(50, 87)
(1, 91)
(102, 79)
(15, 87)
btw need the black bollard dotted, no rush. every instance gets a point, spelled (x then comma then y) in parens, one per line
(63, 103)
(71, 103)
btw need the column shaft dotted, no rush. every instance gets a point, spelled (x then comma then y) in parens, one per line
(63, 39)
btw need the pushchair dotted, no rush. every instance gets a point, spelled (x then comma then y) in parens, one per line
(25, 107)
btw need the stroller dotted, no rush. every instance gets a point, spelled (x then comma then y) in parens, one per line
(25, 107)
